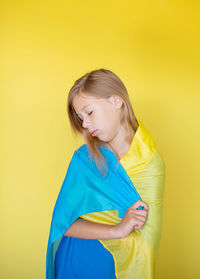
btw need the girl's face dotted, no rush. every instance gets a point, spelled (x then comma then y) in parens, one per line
(102, 114)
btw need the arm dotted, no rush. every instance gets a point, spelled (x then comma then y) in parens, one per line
(81, 228)
(133, 219)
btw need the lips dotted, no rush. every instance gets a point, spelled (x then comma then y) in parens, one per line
(94, 132)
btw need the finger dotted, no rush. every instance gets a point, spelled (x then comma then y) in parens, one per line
(141, 212)
(139, 222)
(139, 203)
(140, 218)
(146, 207)
(137, 227)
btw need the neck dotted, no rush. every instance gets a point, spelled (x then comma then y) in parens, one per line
(120, 144)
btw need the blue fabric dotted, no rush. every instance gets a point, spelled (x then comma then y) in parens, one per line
(78, 258)
(84, 190)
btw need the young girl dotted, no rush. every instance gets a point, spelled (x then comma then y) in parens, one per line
(107, 218)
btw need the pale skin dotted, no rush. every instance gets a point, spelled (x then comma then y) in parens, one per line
(104, 115)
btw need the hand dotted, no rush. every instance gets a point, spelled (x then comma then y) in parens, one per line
(133, 219)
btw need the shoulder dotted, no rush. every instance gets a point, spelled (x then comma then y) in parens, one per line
(81, 153)
(82, 149)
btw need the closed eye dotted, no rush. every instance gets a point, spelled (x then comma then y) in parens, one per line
(88, 114)
(80, 119)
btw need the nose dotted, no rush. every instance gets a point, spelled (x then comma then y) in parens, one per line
(85, 123)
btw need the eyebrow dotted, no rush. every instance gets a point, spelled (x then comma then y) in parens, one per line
(84, 107)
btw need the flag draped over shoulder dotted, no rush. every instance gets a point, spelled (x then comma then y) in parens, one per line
(139, 175)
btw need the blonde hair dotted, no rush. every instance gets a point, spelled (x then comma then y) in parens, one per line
(100, 83)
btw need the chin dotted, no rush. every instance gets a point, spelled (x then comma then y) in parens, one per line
(105, 140)
(101, 138)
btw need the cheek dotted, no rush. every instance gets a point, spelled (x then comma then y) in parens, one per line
(107, 119)
(104, 118)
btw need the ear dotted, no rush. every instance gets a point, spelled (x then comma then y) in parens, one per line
(117, 101)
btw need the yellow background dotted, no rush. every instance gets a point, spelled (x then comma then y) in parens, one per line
(153, 46)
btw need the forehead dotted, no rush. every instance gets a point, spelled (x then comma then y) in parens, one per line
(81, 100)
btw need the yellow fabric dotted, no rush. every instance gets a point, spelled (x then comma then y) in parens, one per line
(134, 255)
